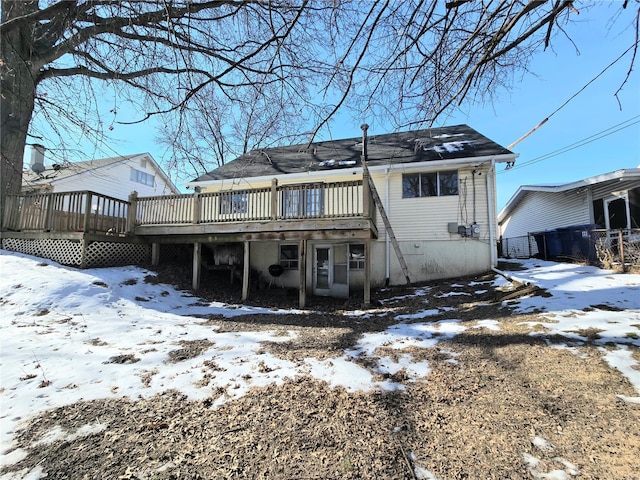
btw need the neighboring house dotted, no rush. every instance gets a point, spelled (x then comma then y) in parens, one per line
(115, 177)
(610, 201)
(437, 187)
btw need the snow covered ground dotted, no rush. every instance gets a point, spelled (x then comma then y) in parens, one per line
(69, 335)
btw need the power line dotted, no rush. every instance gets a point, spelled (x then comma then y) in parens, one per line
(572, 97)
(580, 143)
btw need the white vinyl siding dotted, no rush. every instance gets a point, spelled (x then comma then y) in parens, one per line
(427, 218)
(539, 211)
(114, 181)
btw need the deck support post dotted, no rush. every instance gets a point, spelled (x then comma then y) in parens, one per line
(274, 198)
(367, 272)
(131, 212)
(197, 265)
(245, 271)
(302, 267)
(84, 246)
(155, 254)
(196, 214)
(86, 224)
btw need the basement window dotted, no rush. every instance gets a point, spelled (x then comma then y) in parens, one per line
(289, 256)
(433, 184)
(356, 256)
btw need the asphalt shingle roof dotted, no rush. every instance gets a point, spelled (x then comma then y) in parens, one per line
(454, 142)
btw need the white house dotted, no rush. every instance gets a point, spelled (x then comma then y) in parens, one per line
(556, 220)
(610, 200)
(115, 177)
(436, 187)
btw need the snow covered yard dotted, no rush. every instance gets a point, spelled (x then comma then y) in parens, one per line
(115, 339)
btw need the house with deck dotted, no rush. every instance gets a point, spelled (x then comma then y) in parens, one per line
(436, 187)
(326, 218)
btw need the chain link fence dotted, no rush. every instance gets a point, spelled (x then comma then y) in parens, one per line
(609, 249)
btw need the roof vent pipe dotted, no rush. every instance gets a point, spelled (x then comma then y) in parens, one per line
(37, 158)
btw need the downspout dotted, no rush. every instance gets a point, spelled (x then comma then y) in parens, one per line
(491, 207)
(387, 254)
(473, 181)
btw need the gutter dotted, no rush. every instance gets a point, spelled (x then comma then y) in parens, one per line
(437, 164)
(322, 174)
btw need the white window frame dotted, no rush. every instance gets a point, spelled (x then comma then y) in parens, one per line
(144, 178)
(423, 191)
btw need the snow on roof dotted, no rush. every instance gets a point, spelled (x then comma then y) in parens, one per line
(453, 143)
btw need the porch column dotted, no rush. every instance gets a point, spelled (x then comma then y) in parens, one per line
(196, 217)
(302, 268)
(197, 258)
(246, 268)
(367, 272)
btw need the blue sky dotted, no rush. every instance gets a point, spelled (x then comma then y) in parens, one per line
(561, 73)
(556, 75)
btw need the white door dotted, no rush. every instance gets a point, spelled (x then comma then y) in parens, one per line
(331, 270)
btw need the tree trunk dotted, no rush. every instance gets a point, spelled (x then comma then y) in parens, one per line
(18, 87)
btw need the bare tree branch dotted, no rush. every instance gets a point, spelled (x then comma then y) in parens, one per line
(230, 75)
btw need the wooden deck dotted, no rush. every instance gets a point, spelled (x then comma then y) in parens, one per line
(74, 222)
(290, 212)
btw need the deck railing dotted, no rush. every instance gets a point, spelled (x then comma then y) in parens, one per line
(95, 213)
(288, 202)
(82, 211)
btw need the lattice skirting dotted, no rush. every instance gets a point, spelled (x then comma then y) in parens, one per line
(70, 252)
(107, 254)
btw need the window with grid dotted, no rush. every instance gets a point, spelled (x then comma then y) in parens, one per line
(231, 203)
(356, 256)
(433, 184)
(308, 202)
(144, 178)
(289, 256)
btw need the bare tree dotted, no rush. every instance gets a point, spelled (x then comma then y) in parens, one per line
(229, 75)
(160, 54)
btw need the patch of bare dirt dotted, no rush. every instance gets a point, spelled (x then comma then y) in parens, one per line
(190, 349)
(492, 401)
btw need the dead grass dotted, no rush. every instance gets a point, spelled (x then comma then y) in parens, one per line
(475, 417)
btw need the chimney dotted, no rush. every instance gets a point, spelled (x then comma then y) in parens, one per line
(37, 158)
